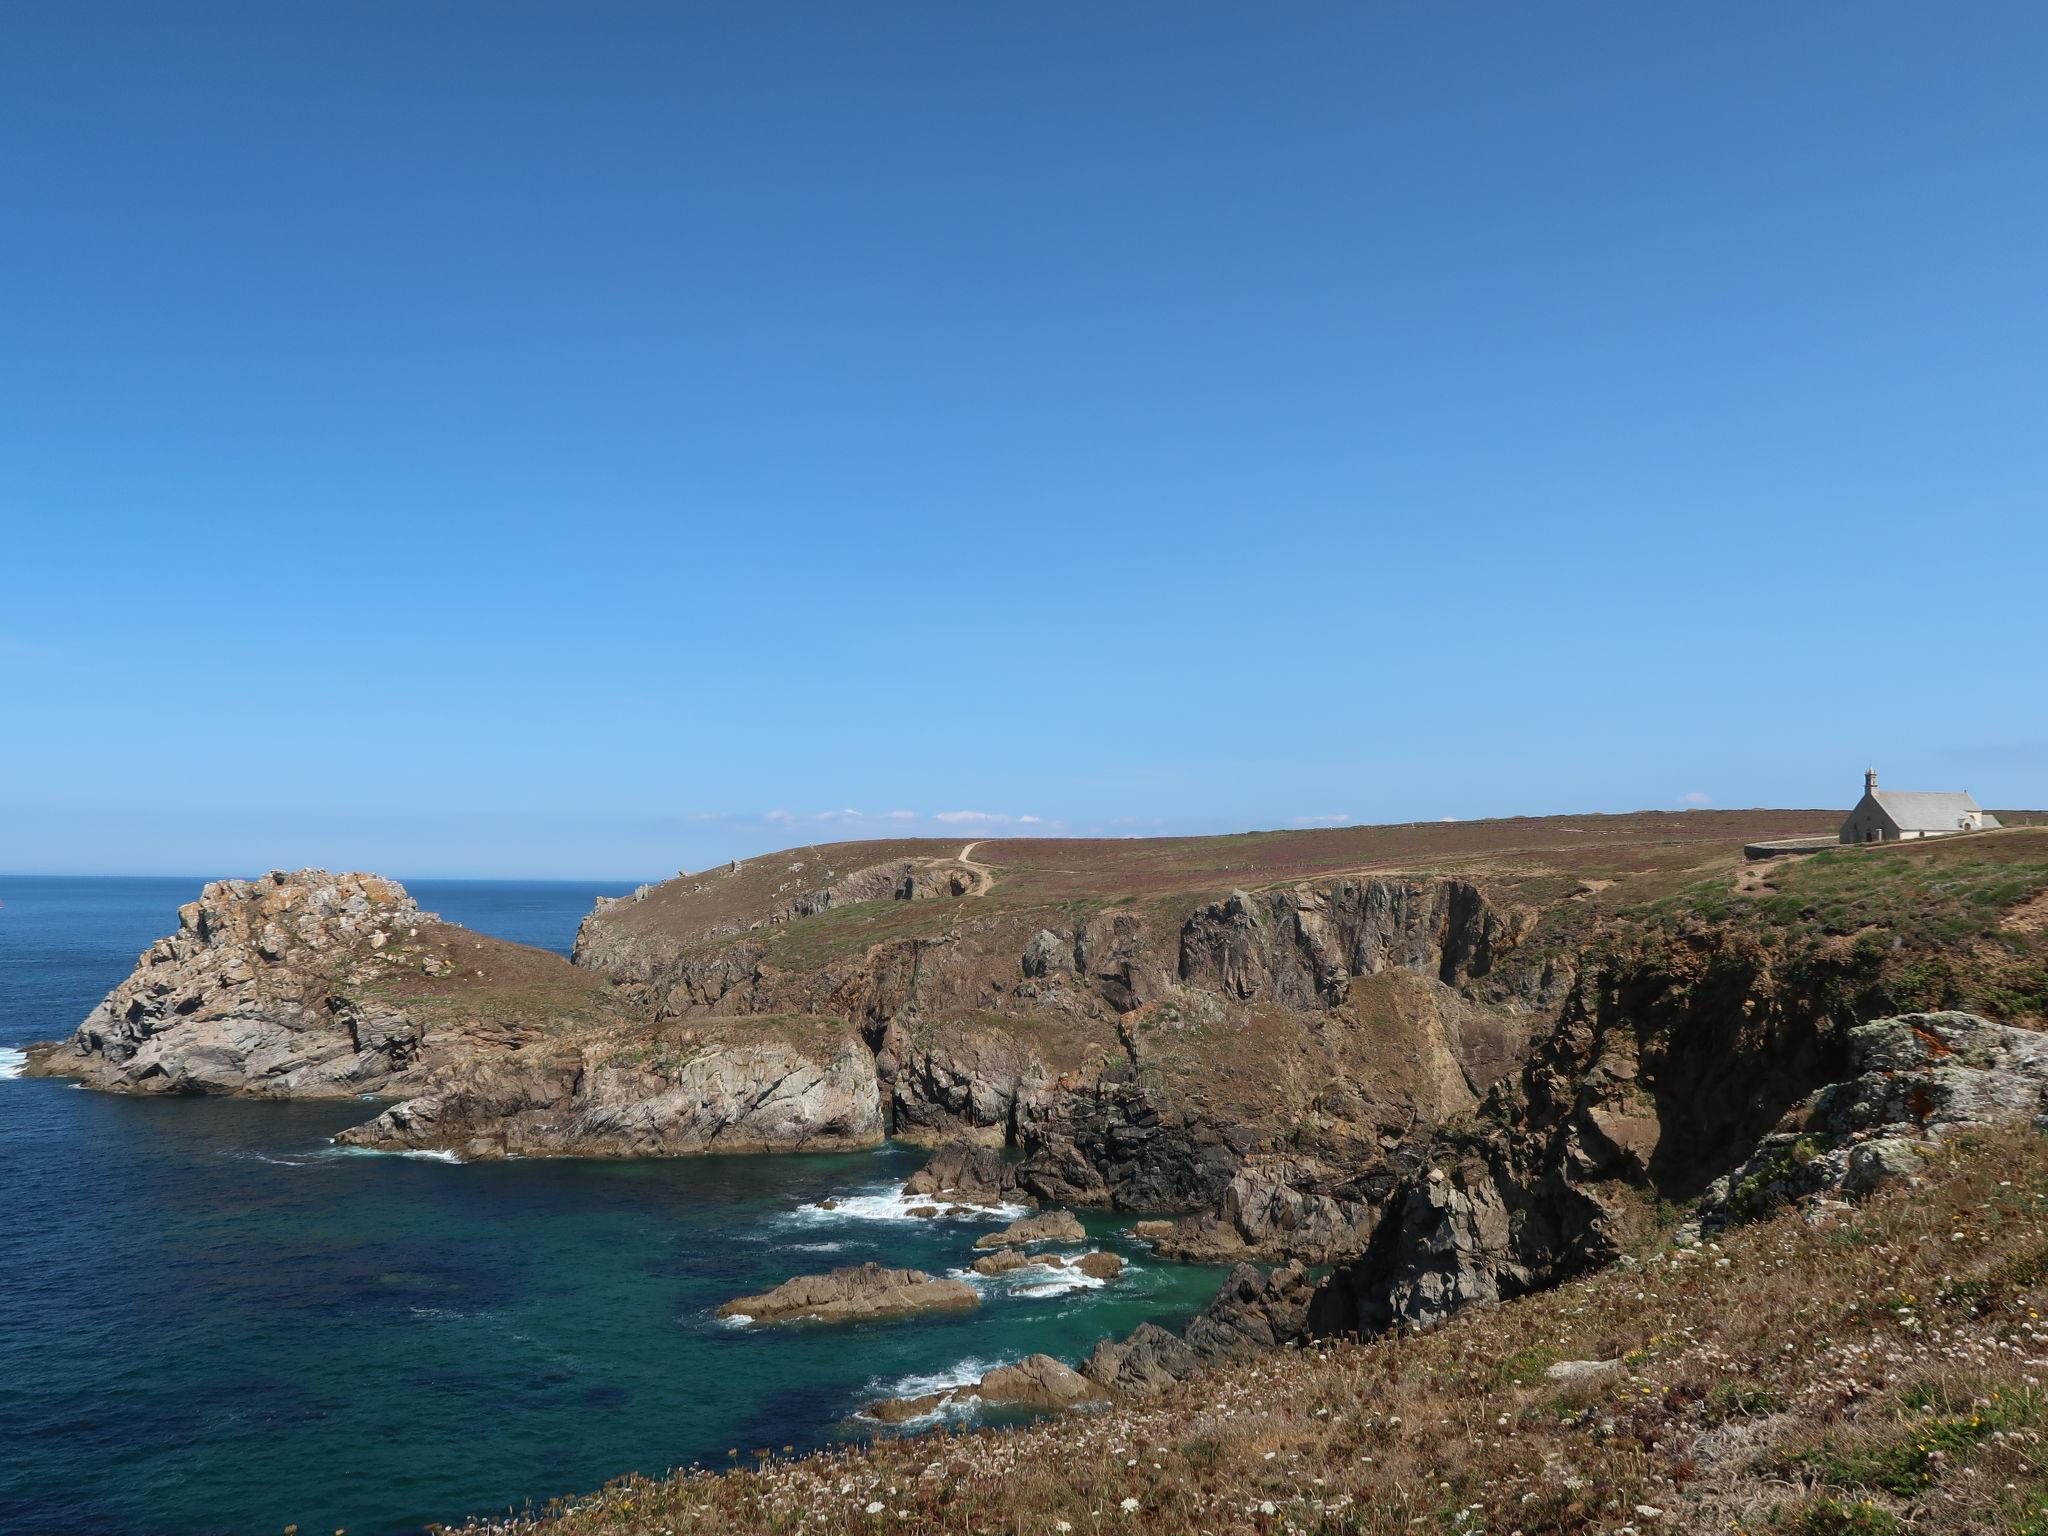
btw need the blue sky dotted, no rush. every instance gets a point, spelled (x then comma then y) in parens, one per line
(591, 440)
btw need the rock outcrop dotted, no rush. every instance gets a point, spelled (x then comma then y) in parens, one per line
(1914, 1080)
(971, 1174)
(1251, 1313)
(245, 998)
(857, 1293)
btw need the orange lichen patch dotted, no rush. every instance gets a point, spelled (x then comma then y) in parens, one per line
(1933, 1042)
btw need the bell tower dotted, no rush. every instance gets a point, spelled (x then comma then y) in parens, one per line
(1870, 781)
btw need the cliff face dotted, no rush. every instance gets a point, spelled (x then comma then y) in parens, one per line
(1109, 1044)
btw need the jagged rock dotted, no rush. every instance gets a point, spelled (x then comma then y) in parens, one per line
(969, 1172)
(1098, 1265)
(857, 1293)
(1291, 1207)
(1143, 1365)
(1039, 1381)
(1925, 1071)
(1253, 1311)
(1297, 946)
(949, 1079)
(1050, 1227)
(1912, 1079)
(1047, 954)
(1873, 1164)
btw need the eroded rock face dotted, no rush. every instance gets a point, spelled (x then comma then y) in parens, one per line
(948, 1081)
(857, 1293)
(766, 1097)
(240, 999)
(1299, 945)
(1298, 1208)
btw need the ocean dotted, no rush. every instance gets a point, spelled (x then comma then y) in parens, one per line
(214, 1321)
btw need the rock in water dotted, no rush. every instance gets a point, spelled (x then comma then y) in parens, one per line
(968, 1172)
(1099, 1266)
(1008, 1259)
(1052, 1227)
(853, 1294)
(1039, 1382)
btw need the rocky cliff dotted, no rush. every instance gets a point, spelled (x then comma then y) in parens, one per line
(250, 995)
(309, 985)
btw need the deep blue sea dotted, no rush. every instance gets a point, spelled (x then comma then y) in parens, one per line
(211, 1320)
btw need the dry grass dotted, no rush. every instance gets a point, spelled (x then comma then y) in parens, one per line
(1879, 1370)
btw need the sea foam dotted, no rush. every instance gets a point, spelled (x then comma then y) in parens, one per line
(427, 1154)
(887, 1202)
(12, 1061)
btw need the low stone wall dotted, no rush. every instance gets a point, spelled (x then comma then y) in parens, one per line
(1788, 845)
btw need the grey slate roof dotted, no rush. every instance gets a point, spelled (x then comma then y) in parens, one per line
(1920, 810)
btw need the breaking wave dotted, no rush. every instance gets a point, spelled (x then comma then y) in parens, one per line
(887, 1202)
(424, 1153)
(12, 1061)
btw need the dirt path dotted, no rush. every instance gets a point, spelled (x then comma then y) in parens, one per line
(986, 871)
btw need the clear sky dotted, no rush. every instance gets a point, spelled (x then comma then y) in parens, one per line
(508, 438)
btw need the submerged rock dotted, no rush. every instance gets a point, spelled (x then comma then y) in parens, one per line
(853, 1294)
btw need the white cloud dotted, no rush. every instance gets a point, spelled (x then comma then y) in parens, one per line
(903, 815)
(1341, 818)
(1027, 821)
(848, 814)
(992, 817)
(1695, 798)
(781, 818)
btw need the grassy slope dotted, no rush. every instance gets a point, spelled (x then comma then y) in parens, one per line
(1946, 923)
(1877, 1373)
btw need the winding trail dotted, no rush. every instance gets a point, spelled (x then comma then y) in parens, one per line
(986, 871)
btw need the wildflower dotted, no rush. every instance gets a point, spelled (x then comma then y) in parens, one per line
(874, 1506)
(1128, 1506)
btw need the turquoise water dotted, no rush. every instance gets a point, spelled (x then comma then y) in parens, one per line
(213, 1321)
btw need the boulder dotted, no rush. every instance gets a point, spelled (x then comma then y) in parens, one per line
(853, 1294)
(1099, 1266)
(1582, 1370)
